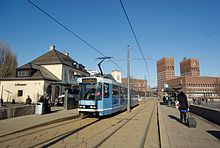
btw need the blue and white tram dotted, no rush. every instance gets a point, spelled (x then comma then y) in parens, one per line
(102, 96)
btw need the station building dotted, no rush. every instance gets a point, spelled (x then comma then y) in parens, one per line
(48, 75)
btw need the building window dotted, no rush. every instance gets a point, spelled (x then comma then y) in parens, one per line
(20, 93)
(23, 74)
(66, 75)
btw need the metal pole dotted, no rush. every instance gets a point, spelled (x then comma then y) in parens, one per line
(128, 71)
(66, 101)
(145, 87)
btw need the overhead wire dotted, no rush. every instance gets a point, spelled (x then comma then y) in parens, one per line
(71, 32)
(135, 37)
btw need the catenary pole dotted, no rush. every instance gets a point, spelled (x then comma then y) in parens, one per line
(128, 77)
(145, 85)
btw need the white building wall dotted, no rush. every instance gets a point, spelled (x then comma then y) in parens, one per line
(34, 88)
(55, 69)
(116, 75)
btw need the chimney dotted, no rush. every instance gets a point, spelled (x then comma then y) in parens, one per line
(66, 53)
(52, 47)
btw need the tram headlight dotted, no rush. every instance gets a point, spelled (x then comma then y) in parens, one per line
(93, 106)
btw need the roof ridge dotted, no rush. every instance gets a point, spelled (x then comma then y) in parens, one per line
(58, 55)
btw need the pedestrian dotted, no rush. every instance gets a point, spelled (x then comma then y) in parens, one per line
(28, 100)
(41, 99)
(194, 100)
(164, 99)
(13, 101)
(46, 105)
(183, 106)
(1, 102)
(206, 100)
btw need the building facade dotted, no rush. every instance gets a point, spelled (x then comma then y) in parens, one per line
(197, 87)
(139, 85)
(46, 75)
(116, 75)
(165, 71)
(189, 67)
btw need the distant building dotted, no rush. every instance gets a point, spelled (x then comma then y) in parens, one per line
(93, 72)
(139, 85)
(189, 67)
(197, 87)
(44, 75)
(153, 92)
(116, 75)
(165, 71)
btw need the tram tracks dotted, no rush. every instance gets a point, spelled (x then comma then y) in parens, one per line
(53, 132)
(143, 139)
(107, 137)
(102, 135)
(148, 136)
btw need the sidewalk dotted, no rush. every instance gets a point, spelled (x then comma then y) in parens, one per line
(175, 134)
(17, 124)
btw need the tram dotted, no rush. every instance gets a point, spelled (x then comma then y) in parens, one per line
(103, 96)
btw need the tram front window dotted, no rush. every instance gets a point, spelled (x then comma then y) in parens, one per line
(90, 91)
(90, 94)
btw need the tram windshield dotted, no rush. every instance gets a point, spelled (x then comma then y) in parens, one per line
(90, 91)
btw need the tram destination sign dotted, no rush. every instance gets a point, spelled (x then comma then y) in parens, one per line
(89, 80)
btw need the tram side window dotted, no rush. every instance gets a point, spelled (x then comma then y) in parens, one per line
(133, 94)
(125, 93)
(99, 91)
(106, 90)
(122, 92)
(115, 93)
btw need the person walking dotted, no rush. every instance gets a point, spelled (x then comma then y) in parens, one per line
(183, 106)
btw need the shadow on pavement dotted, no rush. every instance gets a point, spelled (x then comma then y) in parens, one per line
(174, 118)
(214, 133)
(162, 103)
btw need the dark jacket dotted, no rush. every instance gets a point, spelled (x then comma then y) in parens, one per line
(183, 103)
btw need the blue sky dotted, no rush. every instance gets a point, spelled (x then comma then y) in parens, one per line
(177, 28)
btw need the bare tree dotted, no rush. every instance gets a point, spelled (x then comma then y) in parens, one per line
(8, 61)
